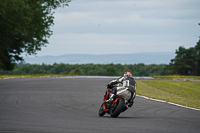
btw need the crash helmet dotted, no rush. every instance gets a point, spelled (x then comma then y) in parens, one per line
(127, 73)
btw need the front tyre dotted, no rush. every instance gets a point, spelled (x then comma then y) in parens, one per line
(117, 108)
(101, 112)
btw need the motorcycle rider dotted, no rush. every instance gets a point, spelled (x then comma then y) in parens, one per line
(126, 81)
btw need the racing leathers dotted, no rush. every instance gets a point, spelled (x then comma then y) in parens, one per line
(123, 82)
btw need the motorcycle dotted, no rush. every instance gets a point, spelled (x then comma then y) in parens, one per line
(118, 104)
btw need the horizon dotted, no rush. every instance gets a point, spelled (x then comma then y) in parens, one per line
(34, 56)
(145, 58)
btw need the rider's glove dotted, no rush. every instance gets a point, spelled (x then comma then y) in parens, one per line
(109, 86)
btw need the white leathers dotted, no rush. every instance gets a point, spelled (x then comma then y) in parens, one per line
(122, 88)
(116, 81)
(121, 80)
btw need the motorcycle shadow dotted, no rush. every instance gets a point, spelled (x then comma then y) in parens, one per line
(123, 117)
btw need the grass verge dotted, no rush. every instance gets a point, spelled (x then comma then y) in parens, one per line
(176, 77)
(186, 93)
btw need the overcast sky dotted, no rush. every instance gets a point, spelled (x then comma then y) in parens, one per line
(124, 26)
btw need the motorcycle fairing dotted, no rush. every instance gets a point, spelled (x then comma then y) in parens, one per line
(115, 100)
(106, 96)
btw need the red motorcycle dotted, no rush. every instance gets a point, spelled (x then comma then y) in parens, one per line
(117, 105)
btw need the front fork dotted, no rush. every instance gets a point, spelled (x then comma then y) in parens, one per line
(106, 107)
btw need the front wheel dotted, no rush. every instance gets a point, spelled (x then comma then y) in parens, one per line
(116, 108)
(101, 112)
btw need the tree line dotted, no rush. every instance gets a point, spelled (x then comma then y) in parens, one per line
(186, 61)
(92, 69)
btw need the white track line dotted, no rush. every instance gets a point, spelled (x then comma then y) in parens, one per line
(167, 102)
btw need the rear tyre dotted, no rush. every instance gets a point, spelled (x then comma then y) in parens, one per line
(101, 112)
(117, 108)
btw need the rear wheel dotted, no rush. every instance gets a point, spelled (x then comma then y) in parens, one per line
(101, 112)
(116, 108)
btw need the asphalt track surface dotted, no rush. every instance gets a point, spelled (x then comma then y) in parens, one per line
(63, 105)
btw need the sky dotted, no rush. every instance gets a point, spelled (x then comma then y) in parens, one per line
(123, 27)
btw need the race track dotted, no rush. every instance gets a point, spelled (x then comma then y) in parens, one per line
(63, 105)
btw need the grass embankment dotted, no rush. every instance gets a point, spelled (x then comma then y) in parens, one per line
(186, 93)
(176, 77)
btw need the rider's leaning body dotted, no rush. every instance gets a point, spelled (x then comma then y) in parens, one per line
(126, 81)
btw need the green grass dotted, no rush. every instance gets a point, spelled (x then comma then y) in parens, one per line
(186, 93)
(176, 77)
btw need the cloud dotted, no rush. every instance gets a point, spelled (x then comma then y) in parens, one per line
(122, 16)
(128, 26)
(71, 43)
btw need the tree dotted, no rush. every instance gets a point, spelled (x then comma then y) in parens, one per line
(186, 61)
(197, 58)
(111, 71)
(178, 62)
(25, 27)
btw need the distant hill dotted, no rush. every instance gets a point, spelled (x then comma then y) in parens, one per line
(146, 58)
